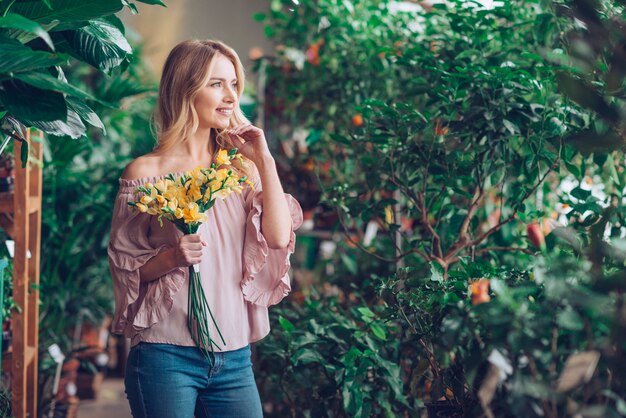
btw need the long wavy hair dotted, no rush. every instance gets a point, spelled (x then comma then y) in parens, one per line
(187, 70)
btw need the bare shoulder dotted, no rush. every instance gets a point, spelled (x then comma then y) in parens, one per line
(145, 166)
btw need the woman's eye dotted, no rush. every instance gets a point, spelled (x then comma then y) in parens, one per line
(235, 85)
(216, 84)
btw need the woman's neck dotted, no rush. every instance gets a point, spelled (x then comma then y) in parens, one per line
(199, 146)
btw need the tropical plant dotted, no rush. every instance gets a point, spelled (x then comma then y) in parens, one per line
(39, 37)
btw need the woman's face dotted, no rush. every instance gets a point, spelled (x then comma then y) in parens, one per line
(216, 101)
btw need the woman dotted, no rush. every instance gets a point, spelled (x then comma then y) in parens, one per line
(243, 248)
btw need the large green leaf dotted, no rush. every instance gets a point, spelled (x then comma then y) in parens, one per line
(85, 112)
(66, 11)
(160, 3)
(15, 21)
(48, 82)
(100, 44)
(26, 102)
(15, 57)
(73, 127)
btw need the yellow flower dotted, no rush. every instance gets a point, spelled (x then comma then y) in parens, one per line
(173, 204)
(178, 213)
(177, 192)
(142, 207)
(161, 200)
(222, 194)
(145, 199)
(162, 185)
(232, 183)
(198, 176)
(194, 193)
(191, 214)
(222, 158)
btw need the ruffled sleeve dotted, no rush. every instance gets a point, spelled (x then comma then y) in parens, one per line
(137, 305)
(265, 270)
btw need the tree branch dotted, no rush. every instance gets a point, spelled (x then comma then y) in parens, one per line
(487, 249)
(454, 250)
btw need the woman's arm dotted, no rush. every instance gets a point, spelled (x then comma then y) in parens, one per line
(187, 253)
(157, 266)
(276, 219)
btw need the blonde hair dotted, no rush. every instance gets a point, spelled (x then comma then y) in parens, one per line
(187, 70)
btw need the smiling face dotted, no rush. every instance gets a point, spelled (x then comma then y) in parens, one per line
(216, 101)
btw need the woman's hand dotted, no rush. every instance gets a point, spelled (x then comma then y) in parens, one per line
(251, 142)
(189, 250)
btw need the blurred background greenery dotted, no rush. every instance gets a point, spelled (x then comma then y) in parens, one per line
(461, 169)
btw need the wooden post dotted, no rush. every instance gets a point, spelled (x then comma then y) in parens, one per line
(19, 326)
(34, 242)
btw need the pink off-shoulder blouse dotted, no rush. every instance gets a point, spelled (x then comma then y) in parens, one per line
(240, 274)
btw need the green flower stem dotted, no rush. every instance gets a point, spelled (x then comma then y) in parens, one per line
(197, 320)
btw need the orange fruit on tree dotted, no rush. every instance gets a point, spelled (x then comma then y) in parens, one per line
(357, 120)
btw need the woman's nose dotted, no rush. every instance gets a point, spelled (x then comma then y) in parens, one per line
(230, 95)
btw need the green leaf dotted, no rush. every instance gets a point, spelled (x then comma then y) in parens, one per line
(350, 358)
(612, 170)
(259, 17)
(24, 153)
(509, 126)
(25, 102)
(117, 22)
(16, 21)
(378, 331)
(100, 44)
(468, 53)
(349, 263)
(15, 57)
(366, 312)
(286, 324)
(313, 137)
(154, 2)
(85, 112)
(131, 6)
(72, 127)
(436, 272)
(66, 10)
(48, 82)
(306, 356)
(579, 193)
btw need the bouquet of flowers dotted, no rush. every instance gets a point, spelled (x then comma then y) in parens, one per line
(184, 201)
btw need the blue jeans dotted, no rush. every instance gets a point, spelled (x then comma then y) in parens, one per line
(170, 381)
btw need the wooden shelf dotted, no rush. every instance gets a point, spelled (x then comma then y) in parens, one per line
(20, 216)
(7, 358)
(6, 203)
